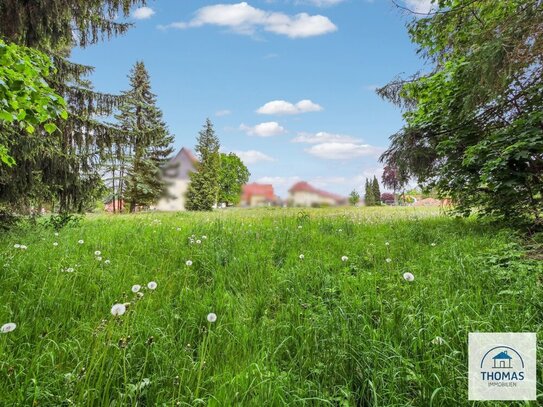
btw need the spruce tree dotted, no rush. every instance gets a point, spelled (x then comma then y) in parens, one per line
(148, 141)
(61, 168)
(203, 191)
(376, 191)
(369, 196)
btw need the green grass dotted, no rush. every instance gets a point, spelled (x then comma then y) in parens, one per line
(311, 331)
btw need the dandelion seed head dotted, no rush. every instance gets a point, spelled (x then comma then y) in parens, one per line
(433, 244)
(55, 244)
(388, 260)
(9, 327)
(107, 261)
(17, 246)
(118, 310)
(387, 244)
(23, 247)
(211, 317)
(188, 263)
(198, 241)
(152, 285)
(344, 258)
(408, 277)
(80, 241)
(136, 288)
(99, 258)
(301, 256)
(97, 253)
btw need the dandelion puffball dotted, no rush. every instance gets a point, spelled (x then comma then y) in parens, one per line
(152, 285)
(99, 258)
(55, 244)
(17, 246)
(136, 288)
(388, 260)
(408, 276)
(301, 256)
(188, 263)
(387, 244)
(9, 327)
(23, 247)
(433, 244)
(80, 241)
(211, 317)
(107, 261)
(97, 253)
(344, 258)
(198, 241)
(118, 310)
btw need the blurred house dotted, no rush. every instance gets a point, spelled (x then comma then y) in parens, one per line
(255, 195)
(304, 194)
(177, 175)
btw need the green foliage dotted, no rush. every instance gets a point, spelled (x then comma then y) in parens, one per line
(26, 100)
(62, 220)
(143, 145)
(475, 124)
(204, 187)
(376, 191)
(315, 331)
(233, 175)
(354, 197)
(372, 192)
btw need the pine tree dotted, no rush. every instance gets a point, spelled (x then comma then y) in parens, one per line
(148, 142)
(376, 191)
(203, 191)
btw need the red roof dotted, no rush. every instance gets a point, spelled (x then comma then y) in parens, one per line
(265, 190)
(306, 187)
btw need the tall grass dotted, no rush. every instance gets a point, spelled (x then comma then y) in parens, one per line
(311, 331)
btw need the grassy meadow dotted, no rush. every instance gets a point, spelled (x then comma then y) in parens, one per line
(312, 308)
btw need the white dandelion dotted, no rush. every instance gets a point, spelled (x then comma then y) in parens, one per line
(388, 260)
(211, 317)
(23, 247)
(433, 244)
(118, 310)
(152, 285)
(301, 256)
(97, 253)
(198, 241)
(344, 258)
(17, 246)
(387, 244)
(136, 288)
(188, 263)
(80, 241)
(107, 261)
(55, 244)
(300, 226)
(408, 277)
(99, 258)
(340, 230)
(9, 327)
(70, 270)
(204, 237)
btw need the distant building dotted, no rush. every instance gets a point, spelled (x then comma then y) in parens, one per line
(304, 194)
(258, 195)
(178, 177)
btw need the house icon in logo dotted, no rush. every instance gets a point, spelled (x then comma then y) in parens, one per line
(502, 360)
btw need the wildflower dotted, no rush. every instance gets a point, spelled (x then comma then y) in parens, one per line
(387, 244)
(136, 288)
(344, 258)
(56, 233)
(204, 237)
(188, 263)
(55, 244)
(107, 261)
(433, 244)
(211, 317)
(17, 246)
(152, 285)
(408, 277)
(438, 340)
(198, 241)
(388, 260)
(70, 270)
(301, 256)
(97, 253)
(300, 226)
(99, 258)
(9, 327)
(118, 310)
(80, 241)
(23, 247)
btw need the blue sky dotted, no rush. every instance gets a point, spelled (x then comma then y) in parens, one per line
(289, 84)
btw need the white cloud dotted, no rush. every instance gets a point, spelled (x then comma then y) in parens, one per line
(420, 6)
(224, 112)
(323, 137)
(267, 129)
(252, 156)
(343, 151)
(143, 13)
(279, 181)
(282, 107)
(242, 18)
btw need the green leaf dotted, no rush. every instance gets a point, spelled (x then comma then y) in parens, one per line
(50, 128)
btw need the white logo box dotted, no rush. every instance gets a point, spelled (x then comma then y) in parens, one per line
(502, 366)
